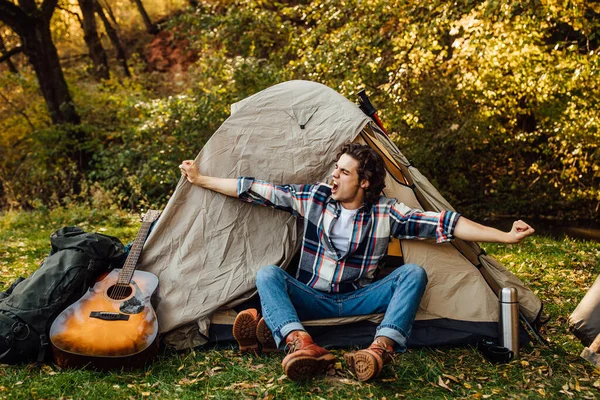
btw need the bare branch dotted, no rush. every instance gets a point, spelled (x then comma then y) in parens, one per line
(72, 13)
(12, 16)
(10, 53)
(11, 65)
(18, 110)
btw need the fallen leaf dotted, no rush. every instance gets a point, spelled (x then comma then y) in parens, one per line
(47, 369)
(350, 382)
(452, 378)
(145, 393)
(281, 378)
(187, 382)
(443, 384)
(569, 394)
(180, 368)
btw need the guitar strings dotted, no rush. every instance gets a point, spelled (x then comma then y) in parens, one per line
(120, 291)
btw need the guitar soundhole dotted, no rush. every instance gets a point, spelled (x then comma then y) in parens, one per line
(119, 292)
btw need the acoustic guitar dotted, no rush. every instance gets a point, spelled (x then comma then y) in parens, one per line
(113, 325)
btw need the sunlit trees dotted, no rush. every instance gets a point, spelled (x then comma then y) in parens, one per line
(92, 40)
(32, 24)
(497, 102)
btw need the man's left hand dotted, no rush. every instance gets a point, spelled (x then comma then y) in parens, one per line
(520, 230)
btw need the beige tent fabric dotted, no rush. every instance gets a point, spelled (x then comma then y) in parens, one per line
(206, 248)
(529, 304)
(453, 284)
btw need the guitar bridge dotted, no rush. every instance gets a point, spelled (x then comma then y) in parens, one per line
(109, 316)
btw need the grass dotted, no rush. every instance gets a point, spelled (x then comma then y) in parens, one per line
(559, 271)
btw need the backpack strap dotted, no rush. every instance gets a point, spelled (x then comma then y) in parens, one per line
(9, 339)
(43, 347)
(18, 331)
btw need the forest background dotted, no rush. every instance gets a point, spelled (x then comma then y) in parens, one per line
(496, 102)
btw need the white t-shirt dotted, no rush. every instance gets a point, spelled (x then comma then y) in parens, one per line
(342, 229)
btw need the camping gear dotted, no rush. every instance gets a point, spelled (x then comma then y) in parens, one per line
(508, 327)
(29, 306)
(493, 352)
(113, 324)
(585, 320)
(367, 107)
(592, 354)
(206, 248)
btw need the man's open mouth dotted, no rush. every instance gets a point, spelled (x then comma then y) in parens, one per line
(334, 187)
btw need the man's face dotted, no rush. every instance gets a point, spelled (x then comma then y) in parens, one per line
(346, 187)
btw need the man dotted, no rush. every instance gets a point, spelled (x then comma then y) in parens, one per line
(347, 227)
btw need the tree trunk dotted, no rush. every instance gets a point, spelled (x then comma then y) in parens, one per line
(92, 40)
(110, 12)
(32, 23)
(150, 27)
(42, 54)
(114, 38)
(11, 65)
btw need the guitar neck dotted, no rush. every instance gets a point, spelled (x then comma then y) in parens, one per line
(134, 254)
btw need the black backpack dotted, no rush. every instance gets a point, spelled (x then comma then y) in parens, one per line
(29, 306)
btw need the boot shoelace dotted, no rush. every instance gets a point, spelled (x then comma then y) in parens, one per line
(293, 345)
(382, 349)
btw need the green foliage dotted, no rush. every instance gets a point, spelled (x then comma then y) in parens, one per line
(496, 102)
(140, 167)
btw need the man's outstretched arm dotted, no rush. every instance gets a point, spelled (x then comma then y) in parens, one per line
(469, 230)
(226, 186)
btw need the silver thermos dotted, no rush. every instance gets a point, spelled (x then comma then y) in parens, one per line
(508, 326)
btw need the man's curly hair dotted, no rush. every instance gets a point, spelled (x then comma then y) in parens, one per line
(370, 167)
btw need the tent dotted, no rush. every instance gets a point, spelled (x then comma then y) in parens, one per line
(206, 248)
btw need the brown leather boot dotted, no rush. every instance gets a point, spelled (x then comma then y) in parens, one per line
(368, 363)
(265, 337)
(305, 359)
(244, 330)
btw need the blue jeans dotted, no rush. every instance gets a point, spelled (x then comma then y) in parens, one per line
(286, 301)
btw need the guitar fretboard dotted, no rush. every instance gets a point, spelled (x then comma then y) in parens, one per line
(134, 253)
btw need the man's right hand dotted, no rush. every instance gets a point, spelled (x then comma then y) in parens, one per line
(189, 169)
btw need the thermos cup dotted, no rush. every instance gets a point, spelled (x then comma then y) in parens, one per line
(508, 326)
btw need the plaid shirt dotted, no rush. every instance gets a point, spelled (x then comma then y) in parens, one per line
(322, 266)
